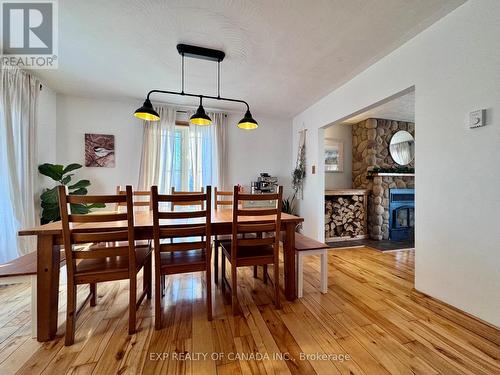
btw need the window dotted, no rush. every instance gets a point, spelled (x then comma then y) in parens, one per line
(175, 154)
(181, 179)
(187, 159)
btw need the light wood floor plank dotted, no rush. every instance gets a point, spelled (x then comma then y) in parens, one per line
(371, 314)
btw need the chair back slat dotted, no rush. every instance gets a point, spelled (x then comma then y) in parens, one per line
(194, 231)
(256, 241)
(253, 228)
(185, 203)
(181, 214)
(97, 218)
(146, 193)
(183, 246)
(193, 226)
(267, 233)
(141, 204)
(103, 252)
(225, 193)
(111, 236)
(194, 199)
(77, 229)
(257, 212)
(87, 199)
(258, 197)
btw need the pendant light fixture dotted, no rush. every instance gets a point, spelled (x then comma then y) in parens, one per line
(200, 117)
(147, 112)
(247, 122)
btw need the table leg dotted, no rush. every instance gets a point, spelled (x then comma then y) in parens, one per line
(289, 259)
(48, 263)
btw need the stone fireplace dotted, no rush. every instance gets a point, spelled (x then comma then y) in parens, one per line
(370, 142)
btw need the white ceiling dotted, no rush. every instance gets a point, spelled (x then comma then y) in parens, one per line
(282, 55)
(401, 108)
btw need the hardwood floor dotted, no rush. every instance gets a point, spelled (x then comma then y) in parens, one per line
(370, 322)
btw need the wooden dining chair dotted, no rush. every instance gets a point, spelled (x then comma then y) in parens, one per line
(185, 246)
(173, 205)
(123, 260)
(262, 249)
(141, 200)
(222, 199)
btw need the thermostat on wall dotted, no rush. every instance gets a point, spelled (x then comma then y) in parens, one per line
(477, 118)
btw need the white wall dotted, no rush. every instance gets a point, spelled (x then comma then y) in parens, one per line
(266, 149)
(77, 116)
(340, 180)
(454, 67)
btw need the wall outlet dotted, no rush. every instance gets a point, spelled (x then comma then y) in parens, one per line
(477, 119)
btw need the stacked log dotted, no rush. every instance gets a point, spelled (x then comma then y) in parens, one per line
(345, 216)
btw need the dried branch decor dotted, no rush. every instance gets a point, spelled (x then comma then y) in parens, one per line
(299, 173)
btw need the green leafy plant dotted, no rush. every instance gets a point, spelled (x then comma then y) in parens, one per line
(50, 199)
(288, 205)
(298, 175)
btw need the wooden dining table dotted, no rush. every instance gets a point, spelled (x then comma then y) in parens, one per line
(49, 241)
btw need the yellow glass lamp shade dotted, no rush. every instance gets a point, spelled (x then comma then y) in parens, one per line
(247, 122)
(200, 117)
(146, 116)
(147, 112)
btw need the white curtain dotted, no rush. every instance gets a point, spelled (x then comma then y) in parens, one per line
(157, 157)
(208, 152)
(220, 160)
(18, 117)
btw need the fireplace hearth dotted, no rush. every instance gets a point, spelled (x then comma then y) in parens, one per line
(401, 214)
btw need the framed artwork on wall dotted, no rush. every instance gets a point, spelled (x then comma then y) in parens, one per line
(334, 155)
(100, 150)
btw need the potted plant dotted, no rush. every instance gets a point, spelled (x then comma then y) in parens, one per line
(288, 205)
(49, 198)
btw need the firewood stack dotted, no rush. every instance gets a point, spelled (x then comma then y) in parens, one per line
(344, 216)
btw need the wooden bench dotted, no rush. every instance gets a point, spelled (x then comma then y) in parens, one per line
(23, 270)
(305, 246)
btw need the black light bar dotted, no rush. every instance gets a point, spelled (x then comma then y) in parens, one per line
(200, 52)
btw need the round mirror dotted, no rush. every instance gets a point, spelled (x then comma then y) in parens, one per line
(402, 147)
